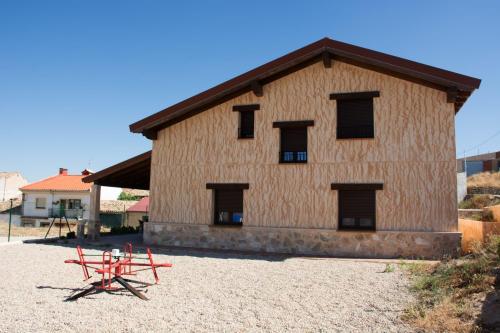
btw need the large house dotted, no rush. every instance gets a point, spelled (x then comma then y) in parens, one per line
(332, 149)
(56, 196)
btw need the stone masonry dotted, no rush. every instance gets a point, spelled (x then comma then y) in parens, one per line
(324, 242)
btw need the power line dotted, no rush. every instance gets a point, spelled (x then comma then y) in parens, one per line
(482, 143)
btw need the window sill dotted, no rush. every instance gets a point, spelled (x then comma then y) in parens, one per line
(357, 230)
(293, 162)
(226, 225)
(350, 139)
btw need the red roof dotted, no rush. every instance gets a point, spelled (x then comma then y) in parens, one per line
(61, 182)
(142, 206)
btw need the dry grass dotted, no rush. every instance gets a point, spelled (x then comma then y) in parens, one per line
(37, 232)
(484, 179)
(450, 294)
(31, 231)
(479, 201)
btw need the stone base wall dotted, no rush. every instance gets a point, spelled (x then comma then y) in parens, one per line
(325, 242)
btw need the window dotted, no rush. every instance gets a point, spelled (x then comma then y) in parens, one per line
(246, 125)
(293, 140)
(355, 114)
(246, 120)
(40, 203)
(357, 209)
(74, 204)
(357, 205)
(228, 203)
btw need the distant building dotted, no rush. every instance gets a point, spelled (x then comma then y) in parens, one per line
(136, 193)
(479, 163)
(137, 212)
(60, 195)
(10, 182)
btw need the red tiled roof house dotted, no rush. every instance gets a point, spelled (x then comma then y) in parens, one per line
(62, 194)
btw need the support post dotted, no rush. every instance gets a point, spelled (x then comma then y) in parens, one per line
(10, 219)
(94, 225)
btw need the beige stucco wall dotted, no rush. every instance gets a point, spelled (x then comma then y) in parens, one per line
(413, 154)
(132, 218)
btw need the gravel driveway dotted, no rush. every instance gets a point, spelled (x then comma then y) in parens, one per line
(203, 292)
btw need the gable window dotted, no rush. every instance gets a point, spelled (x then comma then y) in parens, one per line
(228, 203)
(41, 203)
(293, 140)
(356, 206)
(246, 120)
(355, 114)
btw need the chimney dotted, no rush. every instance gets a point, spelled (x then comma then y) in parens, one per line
(63, 171)
(87, 172)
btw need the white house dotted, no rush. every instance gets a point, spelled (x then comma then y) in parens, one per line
(10, 182)
(60, 195)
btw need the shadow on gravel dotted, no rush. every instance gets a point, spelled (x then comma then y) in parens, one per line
(110, 242)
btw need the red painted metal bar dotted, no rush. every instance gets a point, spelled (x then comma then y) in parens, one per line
(112, 267)
(153, 268)
(82, 263)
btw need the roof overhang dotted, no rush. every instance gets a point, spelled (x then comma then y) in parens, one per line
(459, 87)
(132, 173)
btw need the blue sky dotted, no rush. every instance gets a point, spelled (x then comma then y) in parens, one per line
(75, 74)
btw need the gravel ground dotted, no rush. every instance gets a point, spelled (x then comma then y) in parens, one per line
(203, 292)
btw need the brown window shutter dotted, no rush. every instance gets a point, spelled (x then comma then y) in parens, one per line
(229, 200)
(246, 124)
(357, 209)
(355, 118)
(294, 139)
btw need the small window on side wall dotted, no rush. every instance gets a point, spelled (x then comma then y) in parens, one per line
(246, 120)
(355, 114)
(228, 203)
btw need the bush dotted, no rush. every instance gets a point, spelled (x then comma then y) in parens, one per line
(479, 202)
(128, 197)
(124, 230)
(448, 287)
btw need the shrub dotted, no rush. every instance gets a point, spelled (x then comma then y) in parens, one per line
(479, 202)
(128, 197)
(124, 230)
(444, 291)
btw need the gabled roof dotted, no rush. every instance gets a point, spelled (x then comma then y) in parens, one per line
(458, 86)
(141, 207)
(60, 182)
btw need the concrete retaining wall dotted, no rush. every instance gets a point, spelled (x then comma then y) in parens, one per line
(380, 244)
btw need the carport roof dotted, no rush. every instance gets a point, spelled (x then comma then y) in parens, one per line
(132, 173)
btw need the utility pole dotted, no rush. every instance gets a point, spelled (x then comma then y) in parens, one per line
(10, 219)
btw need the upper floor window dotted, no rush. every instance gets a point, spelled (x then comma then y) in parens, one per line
(293, 140)
(355, 114)
(228, 203)
(246, 120)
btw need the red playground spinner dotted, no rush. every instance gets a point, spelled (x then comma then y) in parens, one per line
(113, 267)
